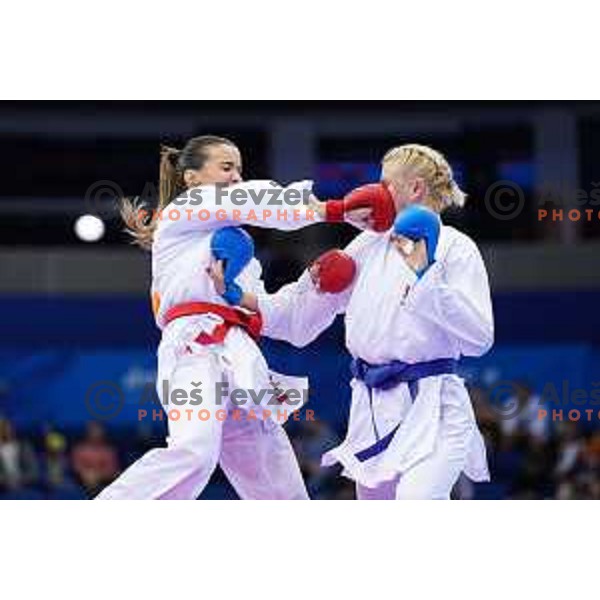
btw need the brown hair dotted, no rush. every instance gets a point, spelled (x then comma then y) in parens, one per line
(173, 164)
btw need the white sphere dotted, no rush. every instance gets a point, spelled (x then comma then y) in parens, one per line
(89, 228)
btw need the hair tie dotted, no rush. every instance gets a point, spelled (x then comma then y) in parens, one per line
(172, 154)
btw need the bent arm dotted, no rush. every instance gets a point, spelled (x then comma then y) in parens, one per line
(455, 295)
(298, 313)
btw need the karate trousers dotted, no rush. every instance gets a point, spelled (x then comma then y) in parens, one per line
(255, 455)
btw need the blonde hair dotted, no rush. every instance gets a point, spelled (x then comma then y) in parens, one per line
(442, 191)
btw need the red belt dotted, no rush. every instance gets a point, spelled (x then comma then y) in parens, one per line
(232, 317)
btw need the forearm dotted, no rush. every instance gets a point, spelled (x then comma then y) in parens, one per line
(249, 301)
(298, 313)
(464, 317)
(258, 203)
(284, 208)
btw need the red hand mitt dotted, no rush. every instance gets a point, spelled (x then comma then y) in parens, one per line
(334, 271)
(375, 196)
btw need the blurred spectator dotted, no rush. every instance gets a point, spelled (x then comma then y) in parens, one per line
(527, 418)
(563, 463)
(486, 415)
(55, 458)
(584, 470)
(507, 462)
(146, 438)
(593, 446)
(537, 459)
(464, 489)
(569, 450)
(18, 465)
(344, 489)
(311, 440)
(58, 478)
(95, 460)
(534, 479)
(588, 477)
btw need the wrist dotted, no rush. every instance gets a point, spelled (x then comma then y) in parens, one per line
(249, 301)
(233, 294)
(334, 211)
(321, 209)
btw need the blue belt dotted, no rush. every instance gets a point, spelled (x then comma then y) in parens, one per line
(388, 376)
(378, 447)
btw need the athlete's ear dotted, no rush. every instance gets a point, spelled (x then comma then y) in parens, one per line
(417, 189)
(190, 178)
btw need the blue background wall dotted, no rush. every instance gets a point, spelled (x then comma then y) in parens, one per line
(53, 350)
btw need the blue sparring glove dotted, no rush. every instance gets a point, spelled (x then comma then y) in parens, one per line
(416, 223)
(235, 248)
(233, 294)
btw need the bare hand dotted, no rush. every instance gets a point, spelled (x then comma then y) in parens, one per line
(415, 253)
(313, 271)
(315, 204)
(215, 272)
(360, 217)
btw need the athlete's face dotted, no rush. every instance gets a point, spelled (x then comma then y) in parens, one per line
(223, 165)
(404, 186)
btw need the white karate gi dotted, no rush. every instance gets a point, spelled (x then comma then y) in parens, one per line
(391, 315)
(256, 456)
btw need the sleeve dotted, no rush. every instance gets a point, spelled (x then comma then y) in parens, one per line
(260, 203)
(455, 295)
(298, 313)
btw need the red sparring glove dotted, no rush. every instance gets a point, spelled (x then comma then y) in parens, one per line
(333, 271)
(375, 196)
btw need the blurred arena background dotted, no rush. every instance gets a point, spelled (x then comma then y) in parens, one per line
(77, 313)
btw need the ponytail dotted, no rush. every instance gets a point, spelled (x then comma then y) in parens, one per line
(138, 220)
(170, 182)
(139, 223)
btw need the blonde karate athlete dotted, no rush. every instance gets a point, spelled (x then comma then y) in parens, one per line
(409, 318)
(207, 344)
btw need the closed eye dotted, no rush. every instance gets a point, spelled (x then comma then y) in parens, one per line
(229, 166)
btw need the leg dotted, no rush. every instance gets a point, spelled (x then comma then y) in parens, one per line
(260, 462)
(384, 491)
(434, 477)
(182, 470)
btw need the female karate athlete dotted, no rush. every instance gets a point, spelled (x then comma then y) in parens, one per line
(205, 343)
(420, 301)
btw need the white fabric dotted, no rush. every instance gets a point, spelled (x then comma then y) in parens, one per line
(391, 315)
(181, 250)
(256, 455)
